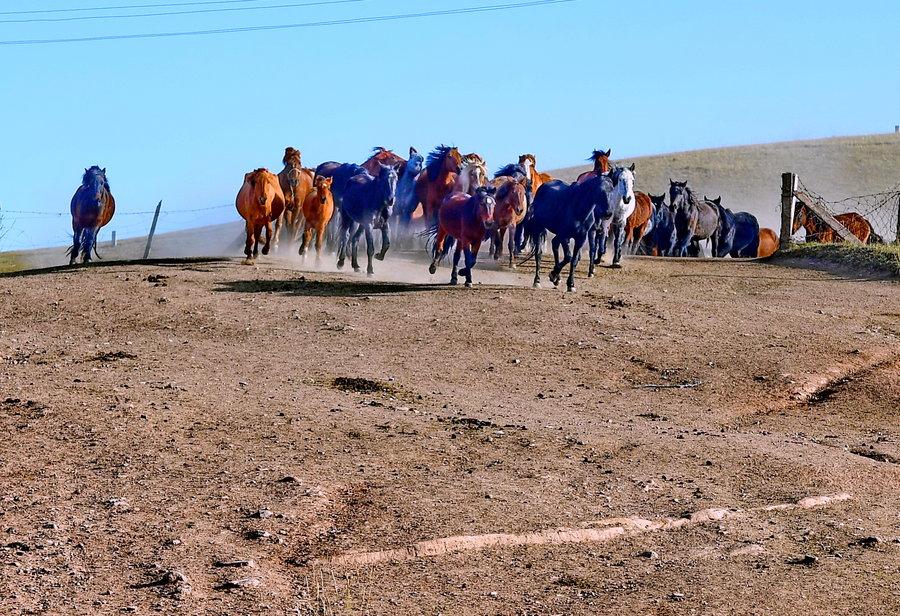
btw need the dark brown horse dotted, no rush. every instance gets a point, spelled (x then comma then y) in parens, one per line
(92, 208)
(466, 219)
(384, 156)
(601, 165)
(509, 212)
(818, 231)
(296, 182)
(436, 181)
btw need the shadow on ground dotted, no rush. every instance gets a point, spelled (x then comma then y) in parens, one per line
(325, 288)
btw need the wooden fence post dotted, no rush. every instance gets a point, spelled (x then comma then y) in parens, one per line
(152, 231)
(113, 241)
(897, 238)
(788, 204)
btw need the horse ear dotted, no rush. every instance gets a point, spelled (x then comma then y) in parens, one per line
(631, 168)
(671, 182)
(608, 153)
(412, 151)
(718, 200)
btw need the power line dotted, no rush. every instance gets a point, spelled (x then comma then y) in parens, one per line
(121, 6)
(170, 13)
(309, 24)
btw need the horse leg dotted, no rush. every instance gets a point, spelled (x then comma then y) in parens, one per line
(554, 273)
(257, 234)
(385, 241)
(370, 250)
(592, 248)
(354, 247)
(307, 236)
(456, 255)
(269, 239)
(602, 240)
(618, 242)
(320, 239)
(76, 244)
(279, 225)
(576, 257)
(88, 237)
(497, 242)
(471, 257)
(344, 231)
(538, 241)
(511, 245)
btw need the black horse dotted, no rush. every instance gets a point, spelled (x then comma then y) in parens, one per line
(92, 207)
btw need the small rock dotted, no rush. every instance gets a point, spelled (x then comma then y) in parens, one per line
(807, 560)
(18, 545)
(649, 554)
(248, 564)
(869, 542)
(516, 361)
(49, 526)
(288, 479)
(262, 514)
(119, 504)
(677, 596)
(493, 594)
(258, 534)
(240, 583)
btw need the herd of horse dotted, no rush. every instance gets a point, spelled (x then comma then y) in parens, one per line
(449, 201)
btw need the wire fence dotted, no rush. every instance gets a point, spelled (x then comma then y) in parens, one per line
(881, 209)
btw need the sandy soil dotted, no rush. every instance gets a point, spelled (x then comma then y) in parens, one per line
(212, 438)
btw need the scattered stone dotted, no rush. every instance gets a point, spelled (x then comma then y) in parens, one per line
(118, 504)
(258, 534)
(807, 560)
(49, 526)
(288, 479)
(649, 554)
(516, 361)
(677, 596)
(869, 542)
(18, 545)
(261, 514)
(248, 564)
(239, 583)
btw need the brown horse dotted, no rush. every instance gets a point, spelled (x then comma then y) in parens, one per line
(601, 165)
(768, 243)
(92, 208)
(535, 177)
(466, 218)
(296, 182)
(639, 222)
(384, 156)
(437, 180)
(818, 231)
(318, 208)
(259, 202)
(473, 174)
(509, 212)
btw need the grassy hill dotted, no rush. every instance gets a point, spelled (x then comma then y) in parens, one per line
(749, 177)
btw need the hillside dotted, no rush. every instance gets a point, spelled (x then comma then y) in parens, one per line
(749, 177)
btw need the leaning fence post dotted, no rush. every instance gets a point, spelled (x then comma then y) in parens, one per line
(113, 241)
(788, 203)
(152, 231)
(897, 236)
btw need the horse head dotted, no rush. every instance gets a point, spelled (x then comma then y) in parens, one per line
(623, 184)
(323, 188)
(528, 162)
(678, 194)
(485, 198)
(258, 180)
(415, 163)
(95, 183)
(601, 160)
(801, 216)
(387, 185)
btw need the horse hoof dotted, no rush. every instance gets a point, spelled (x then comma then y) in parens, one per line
(570, 289)
(616, 266)
(265, 251)
(536, 285)
(340, 265)
(454, 281)
(468, 285)
(248, 261)
(432, 269)
(591, 275)
(370, 274)
(357, 269)
(380, 256)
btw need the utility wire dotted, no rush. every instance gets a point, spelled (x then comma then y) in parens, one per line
(170, 13)
(309, 24)
(125, 6)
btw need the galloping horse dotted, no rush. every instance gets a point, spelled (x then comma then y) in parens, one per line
(472, 174)
(601, 165)
(512, 204)
(536, 179)
(622, 203)
(384, 156)
(259, 202)
(818, 231)
(727, 227)
(368, 204)
(436, 182)
(318, 209)
(568, 211)
(92, 208)
(664, 235)
(407, 202)
(296, 183)
(465, 218)
(768, 243)
(694, 220)
(640, 223)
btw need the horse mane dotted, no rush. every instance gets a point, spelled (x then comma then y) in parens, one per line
(435, 161)
(510, 171)
(94, 170)
(291, 155)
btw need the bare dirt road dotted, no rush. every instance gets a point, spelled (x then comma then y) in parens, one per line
(211, 438)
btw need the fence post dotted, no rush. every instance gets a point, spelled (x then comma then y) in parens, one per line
(152, 231)
(788, 203)
(113, 241)
(897, 237)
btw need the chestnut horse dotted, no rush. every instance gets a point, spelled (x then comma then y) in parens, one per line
(465, 218)
(472, 174)
(768, 243)
(535, 177)
(640, 222)
(318, 208)
(818, 231)
(601, 165)
(296, 183)
(384, 156)
(259, 202)
(92, 208)
(437, 180)
(509, 212)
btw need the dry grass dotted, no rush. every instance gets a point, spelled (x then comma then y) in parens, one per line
(880, 258)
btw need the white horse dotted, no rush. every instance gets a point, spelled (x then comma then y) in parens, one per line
(472, 175)
(620, 193)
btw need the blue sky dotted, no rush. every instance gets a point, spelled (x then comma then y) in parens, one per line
(181, 119)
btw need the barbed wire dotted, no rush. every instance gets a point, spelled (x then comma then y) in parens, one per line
(881, 209)
(163, 212)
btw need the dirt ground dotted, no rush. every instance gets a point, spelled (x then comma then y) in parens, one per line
(212, 438)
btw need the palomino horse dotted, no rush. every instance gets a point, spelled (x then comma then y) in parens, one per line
(818, 231)
(640, 223)
(368, 204)
(465, 218)
(296, 182)
(535, 178)
(568, 211)
(694, 220)
(92, 208)
(601, 165)
(768, 243)
(472, 174)
(318, 208)
(622, 203)
(436, 182)
(259, 202)
(509, 212)
(407, 202)
(664, 235)
(384, 156)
